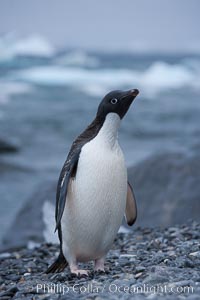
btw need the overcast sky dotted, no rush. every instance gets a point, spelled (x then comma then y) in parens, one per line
(169, 25)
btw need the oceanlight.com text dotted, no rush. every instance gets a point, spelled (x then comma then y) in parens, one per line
(113, 288)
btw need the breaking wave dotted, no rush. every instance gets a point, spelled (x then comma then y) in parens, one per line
(9, 89)
(11, 47)
(78, 58)
(158, 77)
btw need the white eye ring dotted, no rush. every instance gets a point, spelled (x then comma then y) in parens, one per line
(113, 101)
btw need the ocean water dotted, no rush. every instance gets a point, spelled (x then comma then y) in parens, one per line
(47, 98)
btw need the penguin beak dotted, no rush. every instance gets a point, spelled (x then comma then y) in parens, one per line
(126, 100)
(130, 94)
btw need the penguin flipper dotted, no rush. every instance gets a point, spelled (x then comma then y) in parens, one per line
(58, 266)
(68, 171)
(131, 207)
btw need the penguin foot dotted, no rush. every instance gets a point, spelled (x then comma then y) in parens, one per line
(99, 265)
(74, 270)
(80, 272)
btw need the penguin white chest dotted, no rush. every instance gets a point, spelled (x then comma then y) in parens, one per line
(96, 203)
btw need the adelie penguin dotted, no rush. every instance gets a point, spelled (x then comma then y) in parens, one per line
(93, 193)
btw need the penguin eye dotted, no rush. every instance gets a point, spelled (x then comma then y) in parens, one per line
(113, 101)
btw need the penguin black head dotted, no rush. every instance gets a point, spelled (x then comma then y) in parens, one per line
(116, 102)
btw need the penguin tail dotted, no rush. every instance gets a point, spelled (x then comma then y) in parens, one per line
(58, 266)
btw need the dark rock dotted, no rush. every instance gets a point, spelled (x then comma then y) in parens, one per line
(7, 147)
(9, 293)
(19, 233)
(6, 167)
(167, 189)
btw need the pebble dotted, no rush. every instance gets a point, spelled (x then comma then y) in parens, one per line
(197, 254)
(140, 269)
(154, 279)
(169, 256)
(5, 255)
(138, 275)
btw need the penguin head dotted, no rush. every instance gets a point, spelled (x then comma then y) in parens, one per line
(116, 102)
